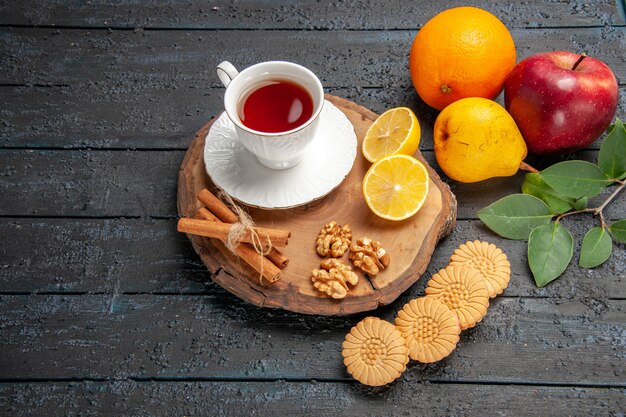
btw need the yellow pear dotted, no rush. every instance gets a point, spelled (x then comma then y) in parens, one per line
(476, 139)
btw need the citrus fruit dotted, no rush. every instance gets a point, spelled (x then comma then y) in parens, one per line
(395, 131)
(395, 187)
(476, 139)
(461, 52)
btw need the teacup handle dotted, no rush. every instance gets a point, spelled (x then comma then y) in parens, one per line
(226, 71)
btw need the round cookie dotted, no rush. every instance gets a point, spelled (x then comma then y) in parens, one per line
(463, 290)
(430, 328)
(487, 259)
(375, 352)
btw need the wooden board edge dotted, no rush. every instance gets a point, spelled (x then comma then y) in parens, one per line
(307, 304)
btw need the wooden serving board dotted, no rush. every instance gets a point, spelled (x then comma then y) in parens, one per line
(410, 243)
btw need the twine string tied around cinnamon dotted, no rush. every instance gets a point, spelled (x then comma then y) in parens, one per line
(243, 225)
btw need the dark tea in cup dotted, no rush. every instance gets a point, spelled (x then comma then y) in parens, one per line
(275, 106)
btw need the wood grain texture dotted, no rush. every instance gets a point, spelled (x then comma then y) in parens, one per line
(323, 399)
(128, 61)
(126, 183)
(172, 75)
(89, 183)
(73, 116)
(98, 255)
(539, 341)
(209, 352)
(410, 243)
(148, 256)
(301, 14)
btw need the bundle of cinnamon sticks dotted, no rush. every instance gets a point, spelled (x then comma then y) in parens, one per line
(215, 220)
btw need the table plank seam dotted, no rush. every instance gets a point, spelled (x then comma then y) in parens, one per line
(82, 351)
(166, 217)
(8, 381)
(268, 29)
(211, 294)
(38, 85)
(86, 217)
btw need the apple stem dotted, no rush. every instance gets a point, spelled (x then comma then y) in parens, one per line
(525, 167)
(582, 56)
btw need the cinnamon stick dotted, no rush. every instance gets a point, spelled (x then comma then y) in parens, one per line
(217, 206)
(261, 264)
(205, 214)
(225, 214)
(265, 267)
(278, 258)
(207, 228)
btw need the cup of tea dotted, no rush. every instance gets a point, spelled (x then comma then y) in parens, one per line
(275, 107)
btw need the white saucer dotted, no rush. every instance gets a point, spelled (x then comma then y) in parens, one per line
(236, 171)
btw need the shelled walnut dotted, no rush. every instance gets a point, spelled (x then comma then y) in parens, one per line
(369, 256)
(333, 278)
(334, 239)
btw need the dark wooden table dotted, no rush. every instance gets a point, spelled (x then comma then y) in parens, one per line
(106, 310)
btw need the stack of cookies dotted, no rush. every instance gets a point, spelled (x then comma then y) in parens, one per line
(427, 329)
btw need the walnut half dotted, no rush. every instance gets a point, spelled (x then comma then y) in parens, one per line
(334, 239)
(333, 278)
(369, 256)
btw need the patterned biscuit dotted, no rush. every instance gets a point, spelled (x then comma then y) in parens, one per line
(430, 328)
(463, 290)
(375, 352)
(487, 259)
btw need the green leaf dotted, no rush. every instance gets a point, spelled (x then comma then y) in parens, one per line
(596, 248)
(535, 185)
(612, 157)
(581, 203)
(618, 230)
(550, 249)
(576, 179)
(515, 215)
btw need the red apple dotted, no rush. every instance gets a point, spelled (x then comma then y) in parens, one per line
(561, 101)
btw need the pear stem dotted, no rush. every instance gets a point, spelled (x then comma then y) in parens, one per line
(582, 56)
(525, 167)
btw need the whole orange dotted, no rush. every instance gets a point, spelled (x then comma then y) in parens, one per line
(461, 52)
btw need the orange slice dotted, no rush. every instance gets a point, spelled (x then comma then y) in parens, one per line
(395, 188)
(395, 131)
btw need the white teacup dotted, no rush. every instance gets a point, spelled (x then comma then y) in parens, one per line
(280, 150)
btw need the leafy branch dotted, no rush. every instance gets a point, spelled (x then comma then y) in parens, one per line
(597, 211)
(558, 191)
